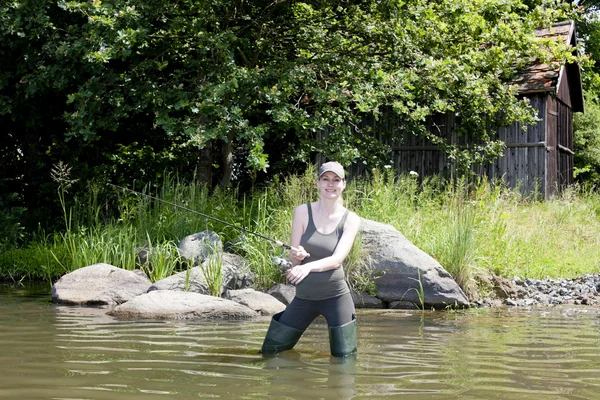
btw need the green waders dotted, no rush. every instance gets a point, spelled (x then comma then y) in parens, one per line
(342, 339)
(279, 337)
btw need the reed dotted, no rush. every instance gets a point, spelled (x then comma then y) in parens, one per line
(470, 228)
(419, 291)
(262, 215)
(359, 271)
(162, 260)
(454, 244)
(110, 244)
(212, 270)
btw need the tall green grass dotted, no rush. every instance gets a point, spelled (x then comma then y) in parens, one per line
(360, 273)
(212, 269)
(471, 229)
(162, 259)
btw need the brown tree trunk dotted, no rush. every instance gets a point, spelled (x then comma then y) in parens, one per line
(226, 162)
(205, 164)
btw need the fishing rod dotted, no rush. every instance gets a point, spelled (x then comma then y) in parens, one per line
(277, 260)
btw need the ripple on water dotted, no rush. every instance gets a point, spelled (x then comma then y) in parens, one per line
(62, 352)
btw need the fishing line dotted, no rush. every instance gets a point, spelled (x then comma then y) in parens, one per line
(277, 260)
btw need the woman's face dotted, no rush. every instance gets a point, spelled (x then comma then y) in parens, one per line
(330, 185)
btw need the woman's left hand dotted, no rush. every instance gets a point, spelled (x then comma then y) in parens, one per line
(297, 274)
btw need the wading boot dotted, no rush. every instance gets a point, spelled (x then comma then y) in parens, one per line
(342, 339)
(279, 337)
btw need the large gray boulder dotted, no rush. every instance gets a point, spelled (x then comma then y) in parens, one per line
(196, 248)
(365, 300)
(191, 280)
(235, 274)
(283, 293)
(263, 303)
(167, 304)
(99, 284)
(400, 266)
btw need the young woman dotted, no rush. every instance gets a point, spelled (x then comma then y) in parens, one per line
(323, 233)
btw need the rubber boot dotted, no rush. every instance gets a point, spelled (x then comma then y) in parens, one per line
(279, 337)
(342, 339)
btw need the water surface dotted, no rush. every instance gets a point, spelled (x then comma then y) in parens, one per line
(60, 352)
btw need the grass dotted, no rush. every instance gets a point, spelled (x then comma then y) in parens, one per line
(212, 269)
(110, 244)
(360, 274)
(471, 229)
(162, 260)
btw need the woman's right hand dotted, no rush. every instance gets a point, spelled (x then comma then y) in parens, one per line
(299, 253)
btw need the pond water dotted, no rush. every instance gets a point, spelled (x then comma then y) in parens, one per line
(59, 352)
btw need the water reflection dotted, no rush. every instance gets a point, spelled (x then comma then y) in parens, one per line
(299, 377)
(62, 352)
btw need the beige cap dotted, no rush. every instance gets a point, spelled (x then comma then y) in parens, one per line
(332, 166)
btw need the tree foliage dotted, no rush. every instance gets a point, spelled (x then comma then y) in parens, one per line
(256, 85)
(587, 126)
(587, 144)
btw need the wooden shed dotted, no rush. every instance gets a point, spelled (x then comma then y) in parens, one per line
(537, 159)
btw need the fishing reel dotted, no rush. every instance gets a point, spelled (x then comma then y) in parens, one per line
(282, 263)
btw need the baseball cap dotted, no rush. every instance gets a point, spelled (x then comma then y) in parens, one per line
(332, 166)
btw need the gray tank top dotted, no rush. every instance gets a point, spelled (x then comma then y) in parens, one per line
(327, 284)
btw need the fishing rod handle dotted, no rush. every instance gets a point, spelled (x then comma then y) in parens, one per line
(287, 246)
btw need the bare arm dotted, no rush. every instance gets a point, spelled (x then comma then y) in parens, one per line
(299, 223)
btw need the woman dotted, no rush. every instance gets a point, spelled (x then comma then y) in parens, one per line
(322, 234)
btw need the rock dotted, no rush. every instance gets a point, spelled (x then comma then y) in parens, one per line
(404, 305)
(263, 303)
(167, 304)
(141, 255)
(196, 248)
(504, 288)
(518, 281)
(191, 280)
(283, 293)
(511, 302)
(237, 275)
(400, 266)
(233, 269)
(365, 300)
(140, 273)
(549, 292)
(99, 284)
(240, 280)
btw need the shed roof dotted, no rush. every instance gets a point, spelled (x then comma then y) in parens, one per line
(548, 77)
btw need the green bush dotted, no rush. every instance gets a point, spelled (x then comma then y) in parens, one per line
(586, 127)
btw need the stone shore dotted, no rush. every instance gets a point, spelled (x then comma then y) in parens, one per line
(517, 292)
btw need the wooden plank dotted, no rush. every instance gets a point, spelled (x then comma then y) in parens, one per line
(415, 148)
(551, 152)
(434, 147)
(525, 145)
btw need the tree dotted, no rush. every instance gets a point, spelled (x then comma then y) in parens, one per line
(586, 126)
(236, 85)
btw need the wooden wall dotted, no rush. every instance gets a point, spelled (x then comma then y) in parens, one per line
(523, 164)
(417, 154)
(560, 125)
(537, 159)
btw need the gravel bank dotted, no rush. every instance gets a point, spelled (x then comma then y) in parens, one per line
(528, 292)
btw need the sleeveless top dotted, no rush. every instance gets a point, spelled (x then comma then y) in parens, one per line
(326, 284)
